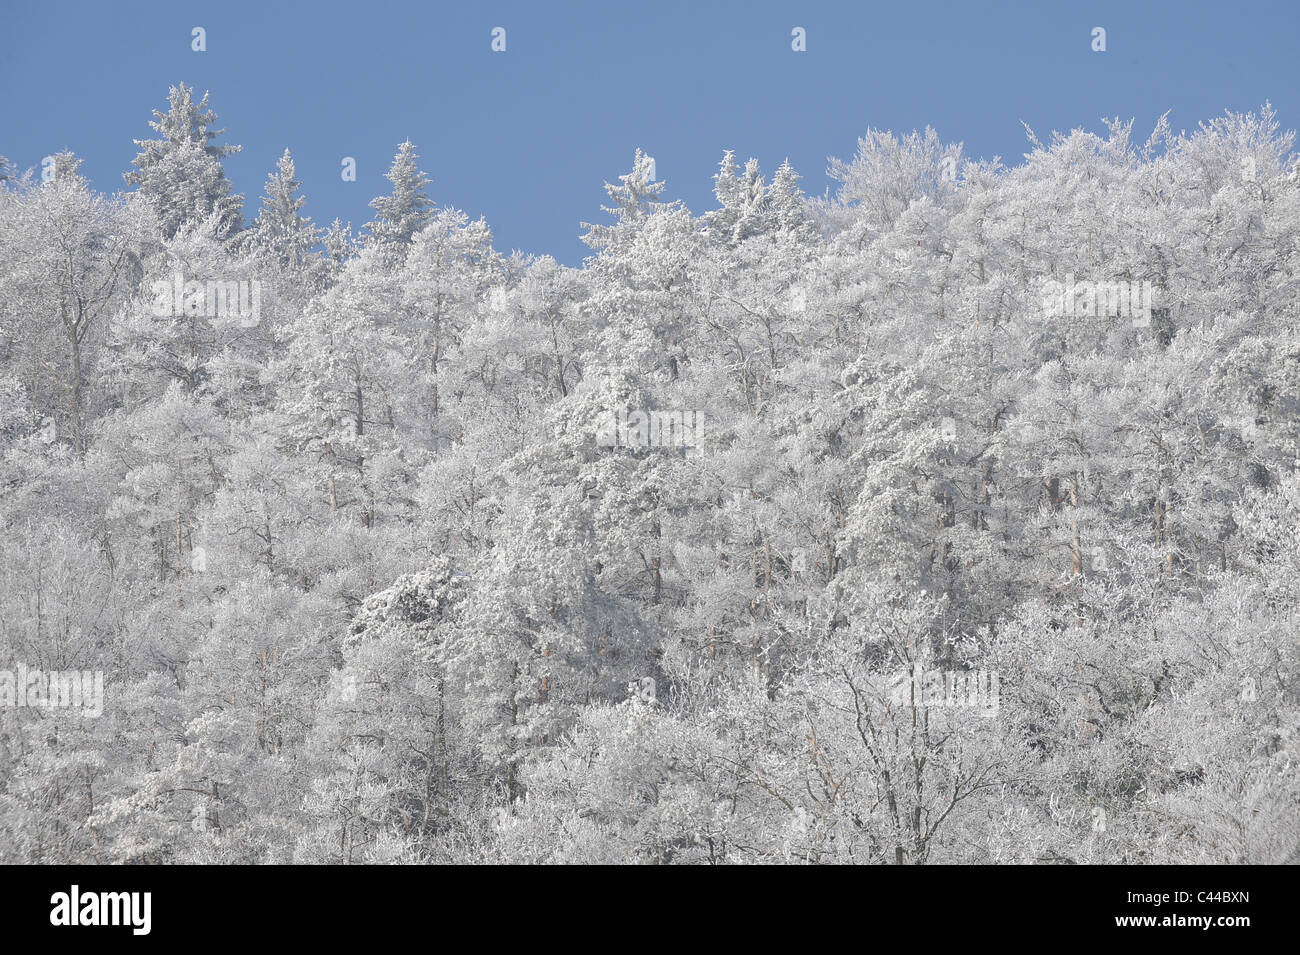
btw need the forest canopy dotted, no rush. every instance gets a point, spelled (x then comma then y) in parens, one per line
(948, 518)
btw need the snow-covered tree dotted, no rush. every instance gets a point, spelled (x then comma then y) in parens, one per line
(281, 231)
(404, 212)
(180, 173)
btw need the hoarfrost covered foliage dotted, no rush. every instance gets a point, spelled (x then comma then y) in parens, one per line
(367, 585)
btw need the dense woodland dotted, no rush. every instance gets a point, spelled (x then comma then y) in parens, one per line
(365, 587)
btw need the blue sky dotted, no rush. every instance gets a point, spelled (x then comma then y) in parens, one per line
(527, 137)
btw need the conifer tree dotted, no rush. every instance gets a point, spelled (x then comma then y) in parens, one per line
(281, 231)
(180, 173)
(407, 209)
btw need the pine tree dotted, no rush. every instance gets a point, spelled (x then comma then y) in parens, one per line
(785, 199)
(180, 174)
(408, 209)
(281, 231)
(633, 199)
(752, 204)
(726, 188)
